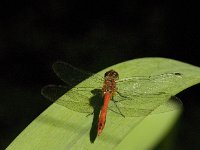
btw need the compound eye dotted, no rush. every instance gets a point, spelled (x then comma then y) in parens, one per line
(115, 74)
(106, 74)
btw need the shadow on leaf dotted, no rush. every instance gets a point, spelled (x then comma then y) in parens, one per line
(96, 102)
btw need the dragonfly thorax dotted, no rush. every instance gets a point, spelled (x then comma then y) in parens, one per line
(110, 82)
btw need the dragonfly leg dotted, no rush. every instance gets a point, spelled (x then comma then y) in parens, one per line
(125, 97)
(115, 102)
(89, 114)
(121, 95)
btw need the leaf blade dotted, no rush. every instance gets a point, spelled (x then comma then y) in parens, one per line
(62, 128)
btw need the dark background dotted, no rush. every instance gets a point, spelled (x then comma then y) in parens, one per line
(91, 35)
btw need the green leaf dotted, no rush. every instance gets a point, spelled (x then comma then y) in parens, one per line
(61, 128)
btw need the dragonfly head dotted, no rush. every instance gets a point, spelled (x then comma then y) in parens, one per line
(111, 75)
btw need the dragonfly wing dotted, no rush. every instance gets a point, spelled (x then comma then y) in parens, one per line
(70, 74)
(75, 99)
(140, 96)
(138, 106)
(149, 86)
(53, 92)
(146, 107)
(151, 77)
(173, 103)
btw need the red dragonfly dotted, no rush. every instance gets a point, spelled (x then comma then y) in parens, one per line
(108, 90)
(133, 96)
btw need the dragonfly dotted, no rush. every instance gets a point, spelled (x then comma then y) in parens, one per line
(133, 96)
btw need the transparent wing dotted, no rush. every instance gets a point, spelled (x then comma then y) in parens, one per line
(53, 92)
(72, 75)
(148, 86)
(141, 108)
(75, 99)
(140, 96)
(76, 102)
(78, 98)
